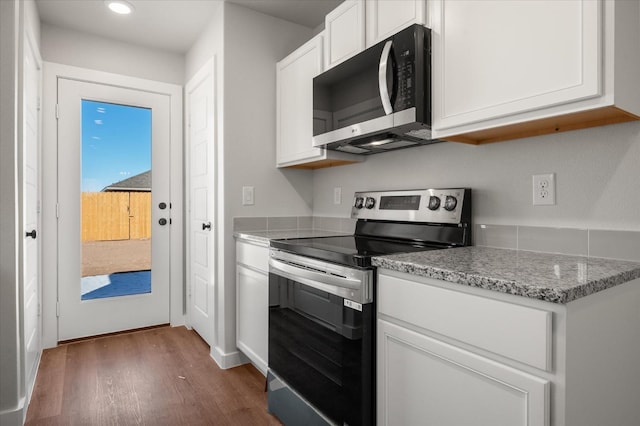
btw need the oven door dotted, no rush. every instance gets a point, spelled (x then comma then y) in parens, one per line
(321, 342)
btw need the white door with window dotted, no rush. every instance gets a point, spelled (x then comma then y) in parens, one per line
(114, 208)
(200, 113)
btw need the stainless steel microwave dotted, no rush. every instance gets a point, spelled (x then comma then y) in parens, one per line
(378, 100)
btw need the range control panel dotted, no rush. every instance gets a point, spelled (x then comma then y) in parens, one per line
(449, 206)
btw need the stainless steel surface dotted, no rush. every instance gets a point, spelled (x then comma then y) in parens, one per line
(371, 127)
(349, 283)
(438, 213)
(355, 131)
(382, 78)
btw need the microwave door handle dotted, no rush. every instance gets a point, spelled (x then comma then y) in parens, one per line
(382, 77)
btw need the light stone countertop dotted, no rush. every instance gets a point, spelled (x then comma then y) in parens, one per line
(263, 237)
(550, 277)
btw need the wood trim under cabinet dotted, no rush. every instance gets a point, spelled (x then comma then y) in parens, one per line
(321, 164)
(575, 121)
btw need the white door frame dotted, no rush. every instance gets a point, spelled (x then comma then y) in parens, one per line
(52, 72)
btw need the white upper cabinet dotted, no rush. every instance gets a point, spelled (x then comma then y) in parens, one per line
(386, 17)
(358, 24)
(508, 69)
(344, 27)
(295, 111)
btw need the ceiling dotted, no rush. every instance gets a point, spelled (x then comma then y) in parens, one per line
(172, 25)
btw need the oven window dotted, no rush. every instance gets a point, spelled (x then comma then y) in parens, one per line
(322, 349)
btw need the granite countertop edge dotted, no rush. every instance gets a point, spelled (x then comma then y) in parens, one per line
(548, 293)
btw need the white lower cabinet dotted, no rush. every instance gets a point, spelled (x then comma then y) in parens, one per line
(252, 302)
(425, 381)
(454, 355)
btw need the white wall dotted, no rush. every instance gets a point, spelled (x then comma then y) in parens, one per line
(209, 44)
(597, 177)
(68, 47)
(251, 52)
(246, 55)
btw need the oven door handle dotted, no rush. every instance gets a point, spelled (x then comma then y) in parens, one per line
(349, 288)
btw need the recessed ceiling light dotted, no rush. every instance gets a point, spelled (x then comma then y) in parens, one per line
(120, 7)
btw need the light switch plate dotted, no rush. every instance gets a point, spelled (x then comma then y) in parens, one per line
(337, 195)
(247, 196)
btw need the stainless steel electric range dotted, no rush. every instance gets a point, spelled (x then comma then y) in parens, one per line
(322, 302)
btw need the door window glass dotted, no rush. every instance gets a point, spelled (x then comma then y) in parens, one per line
(115, 200)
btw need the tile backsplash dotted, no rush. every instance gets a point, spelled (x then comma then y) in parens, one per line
(554, 240)
(622, 245)
(334, 224)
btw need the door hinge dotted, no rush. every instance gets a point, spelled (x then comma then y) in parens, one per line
(38, 104)
(57, 211)
(57, 111)
(58, 309)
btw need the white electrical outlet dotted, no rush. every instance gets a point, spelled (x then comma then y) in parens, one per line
(337, 195)
(247, 196)
(544, 189)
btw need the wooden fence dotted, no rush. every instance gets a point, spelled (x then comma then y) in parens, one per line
(108, 216)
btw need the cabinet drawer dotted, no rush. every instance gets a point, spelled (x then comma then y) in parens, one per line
(517, 332)
(253, 255)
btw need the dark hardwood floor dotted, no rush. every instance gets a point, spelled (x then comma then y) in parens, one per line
(162, 376)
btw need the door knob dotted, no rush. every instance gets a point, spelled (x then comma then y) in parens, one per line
(162, 221)
(206, 226)
(31, 234)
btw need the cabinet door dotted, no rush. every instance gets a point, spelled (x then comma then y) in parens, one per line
(295, 103)
(425, 381)
(252, 297)
(496, 58)
(386, 17)
(345, 31)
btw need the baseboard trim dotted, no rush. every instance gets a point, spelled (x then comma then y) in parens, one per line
(14, 417)
(227, 360)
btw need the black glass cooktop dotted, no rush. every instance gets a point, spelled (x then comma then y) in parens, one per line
(349, 249)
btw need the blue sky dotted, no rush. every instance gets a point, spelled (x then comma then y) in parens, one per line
(116, 143)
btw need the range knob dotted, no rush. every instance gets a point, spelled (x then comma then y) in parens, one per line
(370, 202)
(359, 203)
(450, 203)
(434, 203)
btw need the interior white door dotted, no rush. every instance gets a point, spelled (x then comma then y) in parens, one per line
(200, 104)
(31, 214)
(77, 317)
